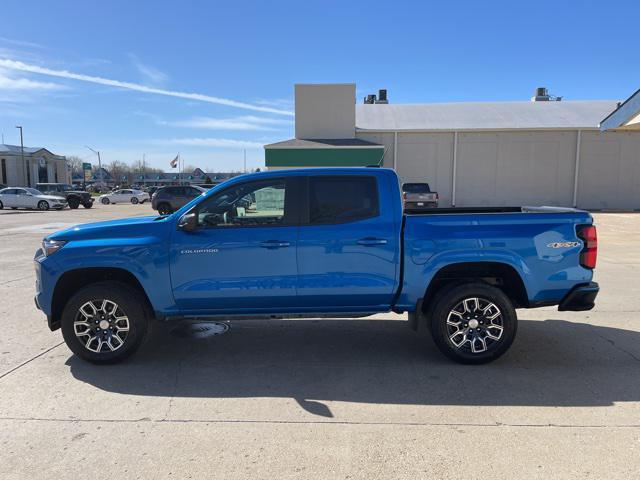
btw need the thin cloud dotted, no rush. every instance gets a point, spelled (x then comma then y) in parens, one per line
(149, 73)
(243, 123)
(25, 90)
(21, 43)
(210, 142)
(17, 65)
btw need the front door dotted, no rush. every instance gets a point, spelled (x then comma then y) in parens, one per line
(243, 255)
(348, 246)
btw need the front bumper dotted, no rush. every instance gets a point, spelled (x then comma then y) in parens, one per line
(580, 298)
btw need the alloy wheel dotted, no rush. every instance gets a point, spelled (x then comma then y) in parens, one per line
(475, 324)
(101, 326)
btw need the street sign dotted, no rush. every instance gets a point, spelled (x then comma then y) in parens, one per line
(86, 170)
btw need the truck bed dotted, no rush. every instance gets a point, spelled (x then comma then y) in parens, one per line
(479, 210)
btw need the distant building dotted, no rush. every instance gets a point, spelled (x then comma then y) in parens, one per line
(35, 165)
(539, 152)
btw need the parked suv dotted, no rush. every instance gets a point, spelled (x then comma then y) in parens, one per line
(169, 199)
(74, 198)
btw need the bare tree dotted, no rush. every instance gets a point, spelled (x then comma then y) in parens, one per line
(75, 163)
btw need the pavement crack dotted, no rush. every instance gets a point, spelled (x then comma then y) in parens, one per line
(615, 345)
(29, 361)
(16, 280)
(174, 389)
(319, 422)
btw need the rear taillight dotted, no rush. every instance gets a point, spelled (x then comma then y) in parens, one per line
(404, 196)
(437, 196)
(589, 253)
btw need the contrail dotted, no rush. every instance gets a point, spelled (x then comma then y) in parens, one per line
(16, 65)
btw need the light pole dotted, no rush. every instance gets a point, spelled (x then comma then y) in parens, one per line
(25, 168)
(99, 164)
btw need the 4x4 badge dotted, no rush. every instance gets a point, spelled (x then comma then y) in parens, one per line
(563, 244)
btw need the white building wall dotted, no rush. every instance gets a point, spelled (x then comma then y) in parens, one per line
(515, 168)
(609, 173)
(325, 111)
(520, 167)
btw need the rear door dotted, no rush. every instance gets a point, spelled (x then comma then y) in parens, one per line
(348, 250)
(24, 200)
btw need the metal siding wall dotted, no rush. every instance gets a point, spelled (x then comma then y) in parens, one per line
(427, 157)
(519, 168)
(609, 175)
(385, 139)
(422, 157)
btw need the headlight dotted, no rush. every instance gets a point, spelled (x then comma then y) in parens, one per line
(49, 247)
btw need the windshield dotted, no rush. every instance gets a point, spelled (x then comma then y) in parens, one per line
(416, 188)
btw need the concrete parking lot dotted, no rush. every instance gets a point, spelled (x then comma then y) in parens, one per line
(362, 398)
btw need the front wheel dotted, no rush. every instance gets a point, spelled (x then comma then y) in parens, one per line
(134, 201)
(104, 322)
(105, 201)
(1, 205)
(473, 323)
(43, 205)
(87, 205)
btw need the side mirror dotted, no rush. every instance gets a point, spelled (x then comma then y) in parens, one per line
(188, 222)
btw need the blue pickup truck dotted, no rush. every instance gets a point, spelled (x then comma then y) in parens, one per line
(316, 243)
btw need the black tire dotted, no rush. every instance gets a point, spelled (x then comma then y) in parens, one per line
(14, 208)
(491, 338)
(43, 205)
(1, 206)
(130, 303)
(74, 203)
(135, 201)
(165, 209)
(105, 201)
(87, 205)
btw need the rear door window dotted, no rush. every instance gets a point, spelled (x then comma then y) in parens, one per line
(342, 199)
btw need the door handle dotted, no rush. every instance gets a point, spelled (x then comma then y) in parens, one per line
(371, 241)
(274, 244)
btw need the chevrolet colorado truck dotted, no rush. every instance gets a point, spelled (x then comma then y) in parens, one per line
(316, 243)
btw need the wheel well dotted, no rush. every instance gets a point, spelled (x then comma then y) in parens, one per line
(71, 281)
(499, 275)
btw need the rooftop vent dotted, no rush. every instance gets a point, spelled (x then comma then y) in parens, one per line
(381, 98)
(370, 99)
(542, 95)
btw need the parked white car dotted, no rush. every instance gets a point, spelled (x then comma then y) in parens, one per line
(126, 195)
(14, 197)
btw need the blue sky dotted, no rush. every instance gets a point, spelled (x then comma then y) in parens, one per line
(112, 75)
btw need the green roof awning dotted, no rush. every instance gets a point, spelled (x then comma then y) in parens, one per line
(324, 157)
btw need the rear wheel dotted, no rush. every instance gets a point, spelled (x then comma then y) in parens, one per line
(473, 323)
(164, 209)
(1, 206)
(105, 201)
(134, 201)
(43, 205)
(74, 203)
(104, 322)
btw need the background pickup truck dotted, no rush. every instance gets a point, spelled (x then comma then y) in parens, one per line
(317, 243)
(417, 196)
